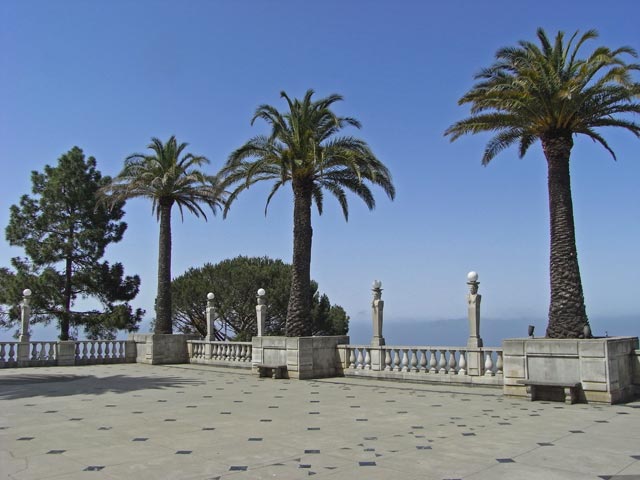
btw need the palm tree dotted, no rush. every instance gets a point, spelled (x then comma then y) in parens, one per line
(166, 177)
(304, 149)
(548, 93)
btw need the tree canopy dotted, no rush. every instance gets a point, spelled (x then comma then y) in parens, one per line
(235, 283)
(64, 234)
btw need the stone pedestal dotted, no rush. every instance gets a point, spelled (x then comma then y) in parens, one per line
(305, 357)
(23, 354)
(603, 366)
(156, 349)
(475, 362)
(66, 353)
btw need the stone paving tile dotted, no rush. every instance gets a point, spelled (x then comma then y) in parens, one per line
(445, 432)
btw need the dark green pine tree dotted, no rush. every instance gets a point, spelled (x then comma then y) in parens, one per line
(64, 233)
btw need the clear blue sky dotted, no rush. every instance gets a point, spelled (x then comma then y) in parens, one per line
(109, 75)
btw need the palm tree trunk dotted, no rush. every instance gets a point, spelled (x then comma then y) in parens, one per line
(299, 310)
(567, 314)
(163, 298)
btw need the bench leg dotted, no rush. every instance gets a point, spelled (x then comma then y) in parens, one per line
(569, 395)
(279, 373)
(531, 392)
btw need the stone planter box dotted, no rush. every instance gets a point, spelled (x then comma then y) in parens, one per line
(156, 349)
(604, 366)
(305, 357)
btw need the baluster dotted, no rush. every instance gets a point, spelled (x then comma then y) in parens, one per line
(432, 361)
(107, 350)
(352, 358)
(78, 352)
(367, 359)
(2, 352)
(99, 352)
(405, 360)
(423, 360)
(34, 348)
(443, 362)
(50, 352)
(452, 362)
(249, 352)
(122, 350)
(219, 351)
(360, 360)
(387, 360)
(92, 350)
(12, 352)
(488, 363)
(396, 359)
(499, 362)
(462, 364)
(414, 360)
(84, 351)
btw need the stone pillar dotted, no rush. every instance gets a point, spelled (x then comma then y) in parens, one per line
(25, 316)
(261, 312)
(130, 351)
(475, 360)
(23, 353)
(211, 317)
(377, 310)
(66, 353)
(473, 303)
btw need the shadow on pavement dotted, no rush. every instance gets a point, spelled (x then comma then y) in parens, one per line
(25, 386)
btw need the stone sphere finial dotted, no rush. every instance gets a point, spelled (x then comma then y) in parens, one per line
(210, 296)
(26, 292)
(376, 285)
(261, 292)
(472, 276)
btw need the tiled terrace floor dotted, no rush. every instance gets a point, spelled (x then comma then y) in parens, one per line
(195, 422)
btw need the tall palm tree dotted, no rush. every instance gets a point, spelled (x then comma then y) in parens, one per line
(166, 177)
(304, 149)
(548, 93)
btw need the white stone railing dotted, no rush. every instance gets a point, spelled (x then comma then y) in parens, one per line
(28, 354)
(220, 353)
(83, 352)
(424, 363)
(91, 352)
(8, 354)
(43, 352)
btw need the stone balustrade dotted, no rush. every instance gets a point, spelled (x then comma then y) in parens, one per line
(83, 352)
(92, 352)
(43, 353)
(236, 354)
(8, 354)
(424, 363)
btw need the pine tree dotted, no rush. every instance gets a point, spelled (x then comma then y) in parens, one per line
(64, 233)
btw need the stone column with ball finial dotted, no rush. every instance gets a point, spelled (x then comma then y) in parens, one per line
(23, 347)
(261, 312)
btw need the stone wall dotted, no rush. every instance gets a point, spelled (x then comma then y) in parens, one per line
(604, 366)
(305, 357)
(158, 349)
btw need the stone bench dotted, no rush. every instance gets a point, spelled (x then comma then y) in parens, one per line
(569, 389)
(272, 371)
